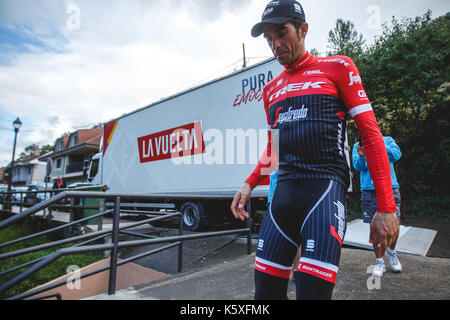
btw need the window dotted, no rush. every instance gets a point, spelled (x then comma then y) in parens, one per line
(94, 168)
(59, 145)
(73, 140)
(58, 163)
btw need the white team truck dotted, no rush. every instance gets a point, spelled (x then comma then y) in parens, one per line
(206, 140)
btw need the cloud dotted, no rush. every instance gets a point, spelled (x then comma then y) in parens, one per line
(122, 57)
(74, 63)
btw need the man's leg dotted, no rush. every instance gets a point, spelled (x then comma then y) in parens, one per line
(269, 287)
(321, 234)
(310, 287)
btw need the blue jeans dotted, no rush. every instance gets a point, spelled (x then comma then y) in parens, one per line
(369, 204)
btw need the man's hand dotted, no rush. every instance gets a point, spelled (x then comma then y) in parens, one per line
(239, 201)
(384, 231)
(360, 151)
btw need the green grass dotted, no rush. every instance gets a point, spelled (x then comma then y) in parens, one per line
(50, 272)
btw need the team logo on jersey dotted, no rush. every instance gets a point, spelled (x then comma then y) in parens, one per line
(340, 216)
(362, 94)
(336, 60)
(260, 244)
(310, 244)
(354, 79)
(292, 87)
(310, 72)
(292, 115)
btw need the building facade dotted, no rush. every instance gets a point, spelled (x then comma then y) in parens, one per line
(71, 155)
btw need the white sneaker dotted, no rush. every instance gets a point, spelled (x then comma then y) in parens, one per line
(379, 268)
(393, 260)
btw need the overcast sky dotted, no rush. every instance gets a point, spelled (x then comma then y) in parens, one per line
(69, 64)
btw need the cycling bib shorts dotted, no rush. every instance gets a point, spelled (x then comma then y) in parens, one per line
(307, 212)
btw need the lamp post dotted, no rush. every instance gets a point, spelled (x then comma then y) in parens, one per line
(16, 124)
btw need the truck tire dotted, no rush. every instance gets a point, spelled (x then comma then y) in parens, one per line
(193, 214)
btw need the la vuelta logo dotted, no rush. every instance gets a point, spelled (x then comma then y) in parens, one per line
(177, 142)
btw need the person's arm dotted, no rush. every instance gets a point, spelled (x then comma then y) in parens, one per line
(360, 109)
(266, 164)
(384, 227)
(359, 163)
(393, 150)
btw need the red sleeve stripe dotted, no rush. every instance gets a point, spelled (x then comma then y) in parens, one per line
(360, 109)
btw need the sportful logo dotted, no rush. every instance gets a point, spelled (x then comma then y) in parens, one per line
(260, 244)
(296, 87)
(310, 244)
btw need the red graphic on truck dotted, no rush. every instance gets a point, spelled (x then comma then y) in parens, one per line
(177, 142)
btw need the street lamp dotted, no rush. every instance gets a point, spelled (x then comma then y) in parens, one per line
(16, 124)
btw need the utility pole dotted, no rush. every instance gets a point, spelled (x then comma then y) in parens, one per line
(244, 65)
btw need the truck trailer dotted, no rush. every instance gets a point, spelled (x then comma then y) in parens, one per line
(203, 141)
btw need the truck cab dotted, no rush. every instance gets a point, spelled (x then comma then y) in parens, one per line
(94, 172)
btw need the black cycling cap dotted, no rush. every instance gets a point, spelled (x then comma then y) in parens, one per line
(279, 12)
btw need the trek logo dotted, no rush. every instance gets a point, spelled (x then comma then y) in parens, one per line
(337, 60)
(340, 216)
(296, 87)
(177, 142)
(353, 79)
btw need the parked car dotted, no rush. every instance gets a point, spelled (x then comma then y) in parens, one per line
(2, 195)
(19, 194)
(36, 197)
(30, 198)
(41, 196)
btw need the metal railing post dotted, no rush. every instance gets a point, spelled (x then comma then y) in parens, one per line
(71, 229)
(21, 202)
(114, 249)
(101, 209)
(249, 226)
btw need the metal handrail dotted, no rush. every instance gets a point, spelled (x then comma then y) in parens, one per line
(38, 234)
(40, 263)
(52, 192)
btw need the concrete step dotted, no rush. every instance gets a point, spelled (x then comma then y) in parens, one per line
(422, 278)
(412, 240)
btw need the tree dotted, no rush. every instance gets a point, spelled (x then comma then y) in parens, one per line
(29, 150)
(345, 40)
(35, 149)
(46, 148)
(406, 74)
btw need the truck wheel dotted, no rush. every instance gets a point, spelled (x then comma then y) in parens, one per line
(193, 214)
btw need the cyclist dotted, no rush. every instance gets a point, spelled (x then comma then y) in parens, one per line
(307, 105)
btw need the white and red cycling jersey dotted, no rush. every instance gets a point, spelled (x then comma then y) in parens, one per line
(309, 103)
